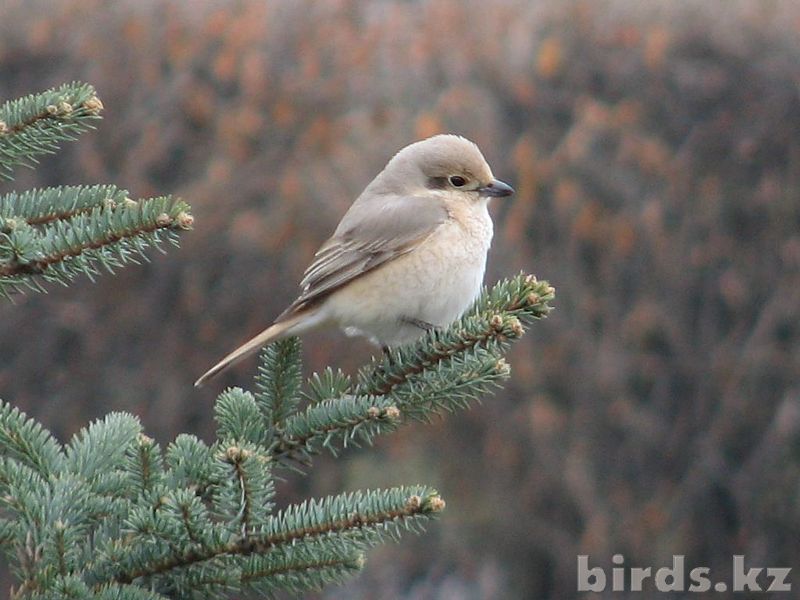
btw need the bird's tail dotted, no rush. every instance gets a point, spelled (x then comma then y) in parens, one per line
(293, 325)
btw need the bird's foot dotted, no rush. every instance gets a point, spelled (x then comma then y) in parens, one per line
(387, 353)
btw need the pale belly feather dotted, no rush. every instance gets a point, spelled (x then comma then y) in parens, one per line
(435, 284)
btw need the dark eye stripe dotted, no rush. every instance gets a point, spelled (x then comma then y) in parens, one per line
(437, 183)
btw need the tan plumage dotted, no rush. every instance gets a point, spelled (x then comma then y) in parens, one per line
(410, 251)
(400, 224)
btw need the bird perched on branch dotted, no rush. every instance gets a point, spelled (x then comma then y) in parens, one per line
(408, 256)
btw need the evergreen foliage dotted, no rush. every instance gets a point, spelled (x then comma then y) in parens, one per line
(36, 124)
(57, 233)
(112, 515)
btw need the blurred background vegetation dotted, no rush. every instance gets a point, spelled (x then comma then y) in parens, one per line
(655, 148)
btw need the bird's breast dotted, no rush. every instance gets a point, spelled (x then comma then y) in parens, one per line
(434, 283)
(454, 262)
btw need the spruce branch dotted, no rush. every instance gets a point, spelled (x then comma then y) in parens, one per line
(41, 206)
(301, 568)
(72, 587)
(346, 420)
(239, 418)
(295, 569)
(109, 509)
(497, 318)
(37, 124)
(360, 518)
(450, 384)
(327, 385)
(26, 441)
(243, 489)
(108, 236)
(21, 489)
(145, 465)
(444, 371)
(357, 520)
(190, 464)
(66, 509)
(103, 445)
(279, 380)
(114, 591)
(57, 233)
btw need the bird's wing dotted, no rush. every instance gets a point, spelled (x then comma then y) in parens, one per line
(366, 239)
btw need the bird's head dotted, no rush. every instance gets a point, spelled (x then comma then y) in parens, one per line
(444, 162)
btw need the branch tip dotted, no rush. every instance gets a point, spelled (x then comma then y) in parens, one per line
(236, 454)
(93, 105)
(502, 367)
(431, 504)
(184, 220)
(9, 225)
(515, 325)
(435, 504)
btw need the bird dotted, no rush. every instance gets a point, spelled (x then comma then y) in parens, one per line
(408, 256)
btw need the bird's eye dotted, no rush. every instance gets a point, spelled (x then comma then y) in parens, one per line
(457, 180)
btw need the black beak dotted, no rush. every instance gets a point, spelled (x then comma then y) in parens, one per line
(496, 189)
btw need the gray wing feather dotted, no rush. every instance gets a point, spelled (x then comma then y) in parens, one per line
(366, 239)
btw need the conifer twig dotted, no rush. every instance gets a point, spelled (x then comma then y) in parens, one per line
(445, 370)
(36, 124)
(67, 251)
(77, 232)
(495, 319)
(359, 517)
(40, 206)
